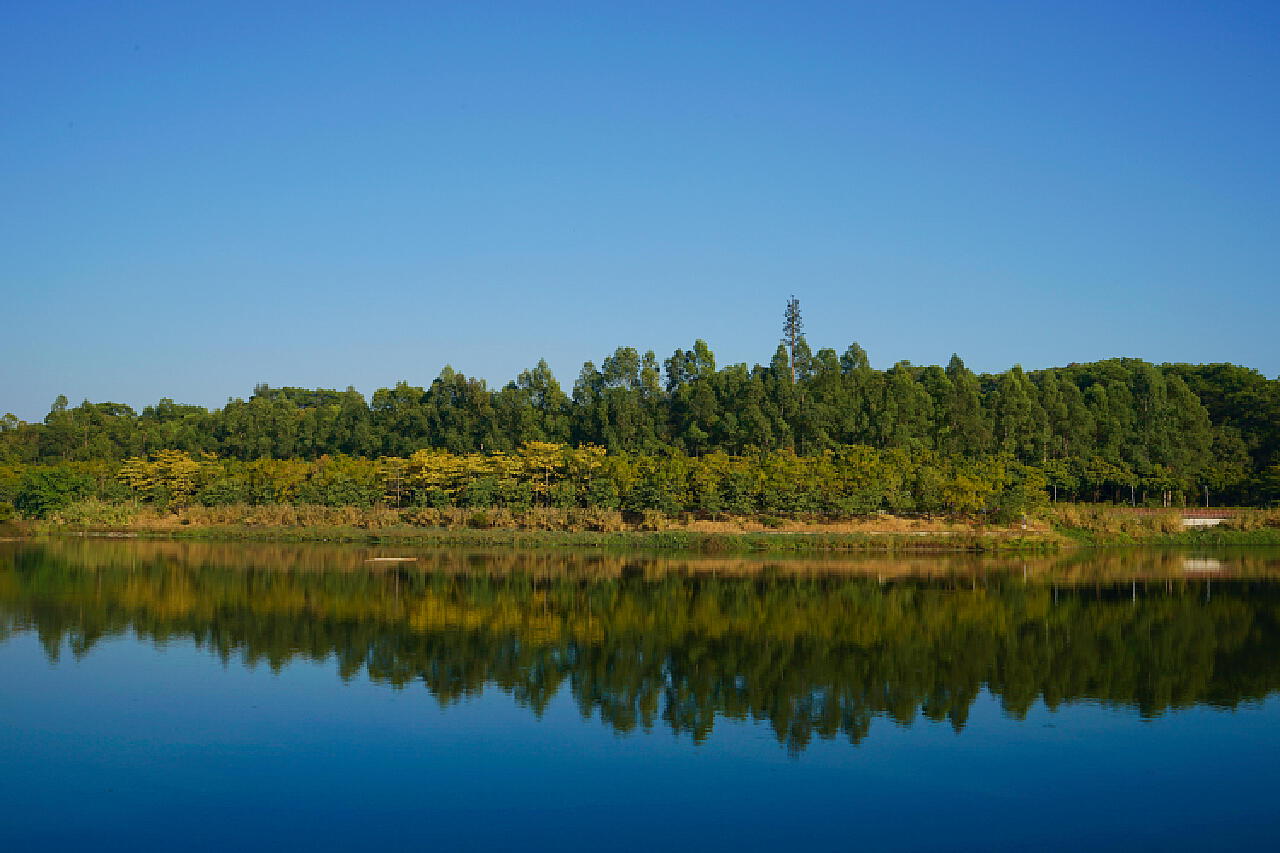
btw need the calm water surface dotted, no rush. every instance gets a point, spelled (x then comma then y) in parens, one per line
(191, 696)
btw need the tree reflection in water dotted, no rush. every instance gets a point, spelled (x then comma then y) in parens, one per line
(813, 648)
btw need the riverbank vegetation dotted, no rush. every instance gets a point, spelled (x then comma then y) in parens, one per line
(809, 435)
(535, 527)
(1051, 528)
(847, 483)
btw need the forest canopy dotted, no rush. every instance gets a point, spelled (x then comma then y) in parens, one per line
(1118, 430)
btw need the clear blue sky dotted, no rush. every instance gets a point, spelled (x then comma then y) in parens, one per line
(198, 197)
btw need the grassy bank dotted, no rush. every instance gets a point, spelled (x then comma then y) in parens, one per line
(1062, 526)
(668, 540)
(1203, 536)
(541, 527)
(1093, 525)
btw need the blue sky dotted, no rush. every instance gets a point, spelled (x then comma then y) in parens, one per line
(201, 197)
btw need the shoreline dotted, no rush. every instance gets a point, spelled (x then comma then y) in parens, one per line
(1062, 527)
(640, 540)
(698, 537)
(688, 541)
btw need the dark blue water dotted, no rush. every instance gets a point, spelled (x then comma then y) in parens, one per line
(184, 700)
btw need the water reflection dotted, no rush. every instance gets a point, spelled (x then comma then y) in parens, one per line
(815, 648)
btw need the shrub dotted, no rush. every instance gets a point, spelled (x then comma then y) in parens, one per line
(45, 490)
(93, 512)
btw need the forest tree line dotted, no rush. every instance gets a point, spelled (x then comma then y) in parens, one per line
(1121, 430)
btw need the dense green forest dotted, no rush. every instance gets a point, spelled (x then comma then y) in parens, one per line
(634, 645)
(1122, 430)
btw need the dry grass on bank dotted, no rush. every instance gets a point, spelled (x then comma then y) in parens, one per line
(93, 513)
(96, 514)
(1101, 520)
(1117, 521)
(1254, 520)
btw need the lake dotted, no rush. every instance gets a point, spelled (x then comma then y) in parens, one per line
(209, 696)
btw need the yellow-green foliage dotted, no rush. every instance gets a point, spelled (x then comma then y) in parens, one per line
(845, 482)
(539, 464)
(170, 476)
